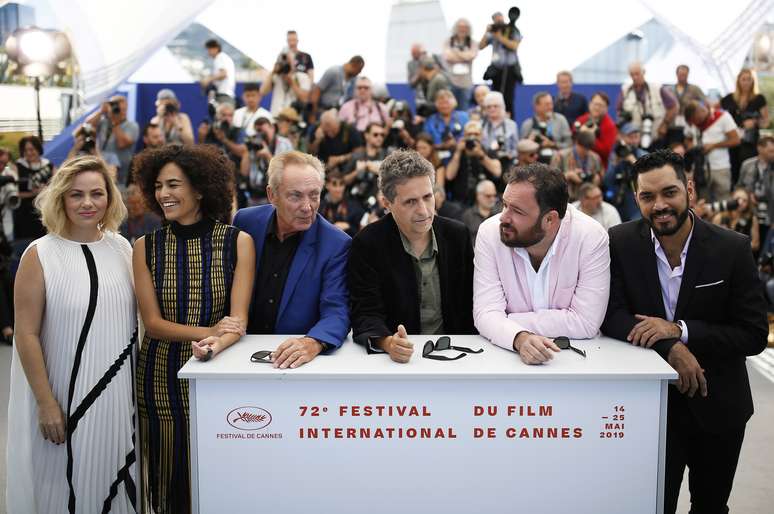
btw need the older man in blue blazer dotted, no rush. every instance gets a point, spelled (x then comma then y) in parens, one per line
(301, 276)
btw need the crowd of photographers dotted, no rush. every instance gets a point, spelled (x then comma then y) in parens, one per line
(465, 130)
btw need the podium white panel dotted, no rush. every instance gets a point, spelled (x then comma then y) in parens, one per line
(354, 433)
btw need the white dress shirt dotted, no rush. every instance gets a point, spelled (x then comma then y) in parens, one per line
(537, 280)
(671, 280)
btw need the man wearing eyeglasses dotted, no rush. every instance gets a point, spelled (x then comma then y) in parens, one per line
(542, 268)
(364, 109)
(411, 271)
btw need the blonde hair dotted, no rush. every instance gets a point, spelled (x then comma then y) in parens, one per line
(738, 90)
(50, 201)
(279, 162)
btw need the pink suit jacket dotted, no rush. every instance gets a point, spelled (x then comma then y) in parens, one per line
(578, 283)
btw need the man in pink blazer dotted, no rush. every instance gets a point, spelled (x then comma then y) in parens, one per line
(542, 268)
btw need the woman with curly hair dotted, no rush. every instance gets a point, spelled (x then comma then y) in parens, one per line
(71, 403)
(194, 279)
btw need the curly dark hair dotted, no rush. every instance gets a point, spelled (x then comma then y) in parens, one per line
(210, 171)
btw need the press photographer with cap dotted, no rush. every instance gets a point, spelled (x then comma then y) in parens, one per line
(175, 124)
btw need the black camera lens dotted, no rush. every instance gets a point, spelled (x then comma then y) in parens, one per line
(470, 143)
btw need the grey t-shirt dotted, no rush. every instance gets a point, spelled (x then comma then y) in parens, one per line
(106, 142)
(334, 86)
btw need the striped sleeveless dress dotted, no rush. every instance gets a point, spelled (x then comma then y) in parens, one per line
(88, 336)
(192, 268)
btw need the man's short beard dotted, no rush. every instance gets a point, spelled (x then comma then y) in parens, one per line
(533, 237)
(681, 218)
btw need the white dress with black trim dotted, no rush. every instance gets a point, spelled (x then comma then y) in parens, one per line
(89, 341)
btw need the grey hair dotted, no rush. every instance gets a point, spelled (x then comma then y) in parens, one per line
(495, 96)
(400, 166)
(281, 161)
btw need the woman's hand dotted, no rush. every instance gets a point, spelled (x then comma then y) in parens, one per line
(52, 422)
(205, 346)
(228, 325)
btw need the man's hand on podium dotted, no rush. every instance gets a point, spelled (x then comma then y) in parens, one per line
(534, 349)
(295, 352)
(398, 346)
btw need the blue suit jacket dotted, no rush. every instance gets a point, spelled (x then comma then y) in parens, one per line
(315, 301)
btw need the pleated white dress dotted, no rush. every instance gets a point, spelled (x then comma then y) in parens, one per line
(88, 337)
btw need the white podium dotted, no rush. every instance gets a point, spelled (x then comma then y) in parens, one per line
(351, 433)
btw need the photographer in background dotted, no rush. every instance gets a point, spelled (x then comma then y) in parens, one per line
(446, 125)
(591, 203)
(738, 214)
(115, 134)
(334, 141)
(433, 80)
(715, 133)
(567, 102)
(757, 176)
(224, 134)
(222, 78)
(403, 131)
(85, 143)
(290, 87)
(482, 209)
(527, 152)
(364, 109)
(650, 106)
(605, 130)
(619, 181)
(685, 93)
(289, 126)
(337, 85)
(362, 170)
(547, 128)
(175, 125)
(337, 208)
(245, 116)
(469, 165)
(579, 163)
(477, 111)
(505, 69)
(458, 52)
(748, 108)
(414, 75)
(499, 133)
(302, 61)
(264, 144)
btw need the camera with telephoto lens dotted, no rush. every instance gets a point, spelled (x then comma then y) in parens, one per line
(646, 131)
(724, 205)
(283, 66)
(470, 143)
(622, 150)
(224, 126)
(9, 193)
(115, 106)
(255, 143)
(513, 15)
(89, 142)
(170, 108)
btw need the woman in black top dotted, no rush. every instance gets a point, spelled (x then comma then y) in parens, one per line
(748, 107)
(34, 172)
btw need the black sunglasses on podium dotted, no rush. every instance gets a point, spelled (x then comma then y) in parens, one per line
(563, 342)
(444, 343)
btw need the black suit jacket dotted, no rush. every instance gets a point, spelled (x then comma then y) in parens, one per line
(721, 302)
(383, 288)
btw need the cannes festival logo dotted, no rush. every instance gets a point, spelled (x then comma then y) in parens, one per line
(249, 418)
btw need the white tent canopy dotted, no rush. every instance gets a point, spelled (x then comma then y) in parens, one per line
(114, 39)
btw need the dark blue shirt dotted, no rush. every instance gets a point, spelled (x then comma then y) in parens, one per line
(572, 106)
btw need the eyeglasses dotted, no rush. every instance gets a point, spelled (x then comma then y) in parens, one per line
(377, 134)
(261, 356)
(563, 342)
(444, 343)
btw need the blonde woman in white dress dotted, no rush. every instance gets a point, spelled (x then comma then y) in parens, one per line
(71, 407)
